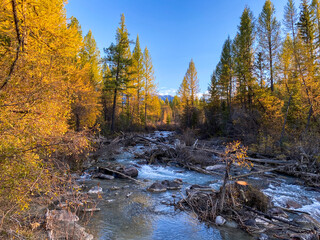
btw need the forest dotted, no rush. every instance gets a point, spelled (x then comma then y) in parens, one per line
(59, 96)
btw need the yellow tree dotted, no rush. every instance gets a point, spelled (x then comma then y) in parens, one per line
(149, 85)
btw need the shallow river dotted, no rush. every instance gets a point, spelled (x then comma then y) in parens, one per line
(133, 213)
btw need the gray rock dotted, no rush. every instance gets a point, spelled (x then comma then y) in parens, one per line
(216, 167)
(293, 204)
(60, 224)
(129, 171)
(103, 176)
(171, 185)
(220, 221)
(157, 187)
(250, 223)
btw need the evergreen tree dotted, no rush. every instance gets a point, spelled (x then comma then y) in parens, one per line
(243, 58)
(193, 82)
(118, 56)
(269, 37)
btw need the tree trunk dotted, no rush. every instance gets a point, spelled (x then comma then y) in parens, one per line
(285, 121)
(114, 109)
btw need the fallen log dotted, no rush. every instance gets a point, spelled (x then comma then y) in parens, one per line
(122, 174)
(270, 216)
(258, 172)
(197, 169)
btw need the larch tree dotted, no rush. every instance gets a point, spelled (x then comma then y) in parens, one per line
(138, 83)
(269, 37)
(193, 81)
(149, 84)
(118, 57)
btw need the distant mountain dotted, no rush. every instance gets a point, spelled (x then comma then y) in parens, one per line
(163, 97)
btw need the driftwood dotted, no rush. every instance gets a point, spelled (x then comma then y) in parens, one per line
(197, 169)
(258, 172)
(122, 174)
(270, 216)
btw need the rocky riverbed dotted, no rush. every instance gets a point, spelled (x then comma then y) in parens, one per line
(143, 209)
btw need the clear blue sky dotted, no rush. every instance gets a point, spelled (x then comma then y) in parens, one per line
(174, 31)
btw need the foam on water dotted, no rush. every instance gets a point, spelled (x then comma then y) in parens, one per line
(284, 192)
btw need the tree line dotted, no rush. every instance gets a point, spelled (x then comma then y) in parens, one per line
(265, 89)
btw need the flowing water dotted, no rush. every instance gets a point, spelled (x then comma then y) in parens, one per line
(128, 211)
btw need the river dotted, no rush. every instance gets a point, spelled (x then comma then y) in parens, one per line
(128, 211)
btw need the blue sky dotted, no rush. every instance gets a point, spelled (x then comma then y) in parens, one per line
(173, 30)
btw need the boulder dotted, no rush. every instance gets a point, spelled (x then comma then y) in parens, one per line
(293, 204)
(157, 187)
(171, 185)
(216, 167)
(61, 224)
(128, 171)
(103, 176)
(220, 221)
(250, 223)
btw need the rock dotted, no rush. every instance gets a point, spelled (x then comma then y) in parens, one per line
(216, 167)
(129, 171)
(95, 190)
(113, 188)
(250, 223)
(61, 215)
(263, 236)
(171, 185)
(60, 224)
(220, 221)
(103, 176)
(157, 187)
(293, 204)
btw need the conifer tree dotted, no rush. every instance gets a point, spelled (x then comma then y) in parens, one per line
(193, 82)
(226, 71)
(138, 83)
(269, 37)
(243, 58)
(118, 56)
(149, 85)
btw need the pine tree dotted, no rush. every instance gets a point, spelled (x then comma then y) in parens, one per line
(118, 56)
(269, 37)
(243, 58)
(226, 71)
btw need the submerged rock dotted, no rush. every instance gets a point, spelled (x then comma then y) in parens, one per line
(157, 187)
(219, 221)
(293, 204)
